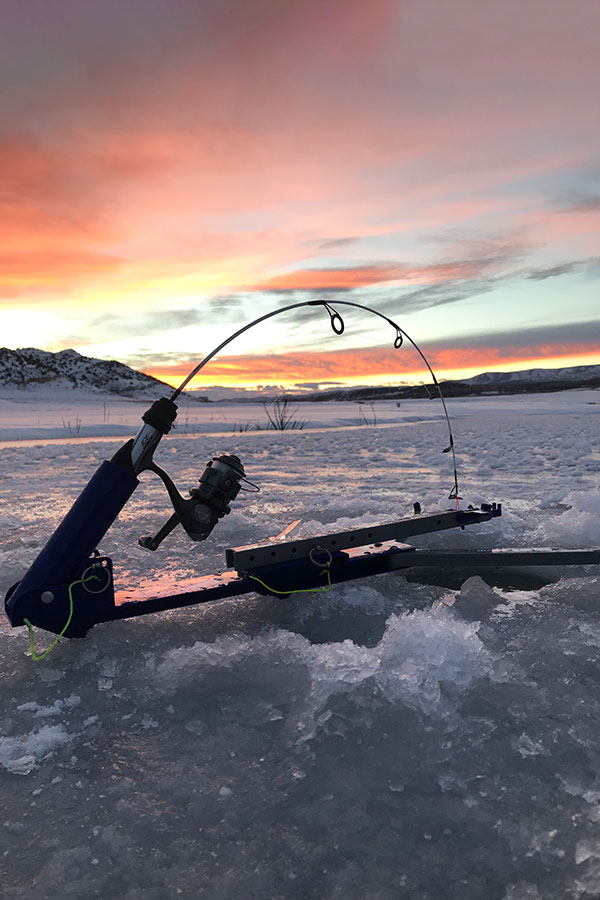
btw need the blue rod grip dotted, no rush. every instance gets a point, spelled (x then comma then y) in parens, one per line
(79, 533)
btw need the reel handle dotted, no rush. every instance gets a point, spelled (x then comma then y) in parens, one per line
(152, 543)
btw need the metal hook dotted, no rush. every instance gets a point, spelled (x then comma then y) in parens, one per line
(319, 549)
(91, 576)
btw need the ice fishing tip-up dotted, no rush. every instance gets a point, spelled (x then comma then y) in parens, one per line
(69, 587)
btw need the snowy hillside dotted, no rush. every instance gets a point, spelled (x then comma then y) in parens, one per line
(528, 381)
(569, 373)
(31, 369)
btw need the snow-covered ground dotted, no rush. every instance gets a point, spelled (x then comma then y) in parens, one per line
(390, 739)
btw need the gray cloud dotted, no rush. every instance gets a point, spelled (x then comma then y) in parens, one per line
(524, 337)
(235, 308)
(567, 268)
(584, 203)
(584, 196)
(108, 325)
(591, 203)
(334, 243)
(315, 385)
(147, 359)
(435, 295)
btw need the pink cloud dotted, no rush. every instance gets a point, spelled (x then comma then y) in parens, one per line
(154, 141)
(363, 276)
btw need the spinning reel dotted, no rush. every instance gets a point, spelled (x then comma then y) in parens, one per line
(219, 485)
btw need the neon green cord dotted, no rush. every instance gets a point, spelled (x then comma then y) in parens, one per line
(328, 587)
(36, 657)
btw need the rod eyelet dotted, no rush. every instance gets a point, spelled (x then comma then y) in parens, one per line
(337, 323)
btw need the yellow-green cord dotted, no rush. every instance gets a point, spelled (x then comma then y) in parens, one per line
(325, 571)
(36, 657)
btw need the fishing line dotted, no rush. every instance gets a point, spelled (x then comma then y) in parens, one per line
(337, 326)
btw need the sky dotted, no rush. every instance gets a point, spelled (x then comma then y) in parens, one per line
(172, 169)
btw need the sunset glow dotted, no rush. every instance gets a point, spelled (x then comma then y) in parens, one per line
(291, 370)
(172, 171)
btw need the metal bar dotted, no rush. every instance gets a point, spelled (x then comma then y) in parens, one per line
(278, 579)
(250, 557)
(345, 566)
(208, 589)
(474, 559)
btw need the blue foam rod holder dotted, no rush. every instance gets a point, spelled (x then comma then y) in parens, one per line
(65, 555)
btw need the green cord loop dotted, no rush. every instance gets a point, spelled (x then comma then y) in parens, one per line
(327, 587)
(37, 657)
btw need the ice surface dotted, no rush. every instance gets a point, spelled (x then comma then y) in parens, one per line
(390, 739)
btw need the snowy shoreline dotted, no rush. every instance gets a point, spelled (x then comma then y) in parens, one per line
(65, 417)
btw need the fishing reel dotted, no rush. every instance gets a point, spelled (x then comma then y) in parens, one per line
(219, 484)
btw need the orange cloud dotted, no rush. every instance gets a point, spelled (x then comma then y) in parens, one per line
(364, 276)
(46, 270)
(367, 363)
(53, 230)
(321, 279)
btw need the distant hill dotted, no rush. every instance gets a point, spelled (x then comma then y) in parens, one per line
(570, 374)
(528, 381)
(30, 369)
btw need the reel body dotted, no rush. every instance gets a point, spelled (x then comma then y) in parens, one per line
(219, 485)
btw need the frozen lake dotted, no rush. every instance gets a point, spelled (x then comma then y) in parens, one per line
(394, 738)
